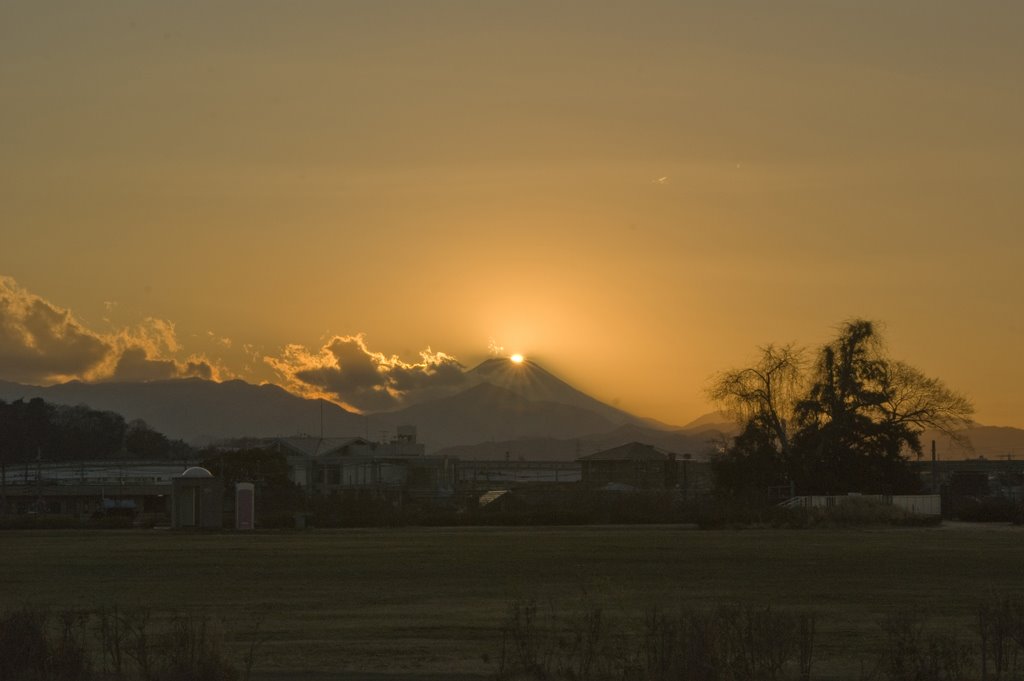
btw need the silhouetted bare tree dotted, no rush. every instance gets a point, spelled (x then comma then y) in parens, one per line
(844, 425)
(766, 393)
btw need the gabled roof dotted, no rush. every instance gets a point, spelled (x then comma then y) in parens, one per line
(316, 446)
(633, 451)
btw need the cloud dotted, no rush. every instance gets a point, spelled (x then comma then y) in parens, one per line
(43, 343)
(223, 342)
(200, 367)
(344, 369)
(156, 336)
(135, 365)
(147, 352)
(40, 342)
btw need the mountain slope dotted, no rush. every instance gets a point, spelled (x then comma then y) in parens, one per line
(487, 412)
(716, 420)
(531, 381)
(520, 409)
(200, 411)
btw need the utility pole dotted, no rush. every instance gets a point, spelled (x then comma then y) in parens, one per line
(686, 482)
(39, 478)
(3, 481)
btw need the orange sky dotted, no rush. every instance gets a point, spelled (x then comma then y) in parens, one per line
(635, 195)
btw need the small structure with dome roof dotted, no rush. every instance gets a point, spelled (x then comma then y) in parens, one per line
(197, 499)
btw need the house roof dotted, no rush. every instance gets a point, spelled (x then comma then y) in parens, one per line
(316, 446)
(633, 451)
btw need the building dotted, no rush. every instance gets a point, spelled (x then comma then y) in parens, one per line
(974, 477)
(475, 474)
(89, 489)
(355, 466)
(634, 465)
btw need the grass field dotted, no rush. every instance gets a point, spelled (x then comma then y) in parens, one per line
(431, 601)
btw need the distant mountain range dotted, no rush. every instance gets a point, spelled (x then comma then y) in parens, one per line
(502, 410)
(200, 411)
(498, 402)
(990, 442)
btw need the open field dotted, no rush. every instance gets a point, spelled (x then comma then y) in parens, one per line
(429, 601)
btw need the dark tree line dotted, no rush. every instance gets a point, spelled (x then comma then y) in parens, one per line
(845, 422)
(268, 469)
(39, 430)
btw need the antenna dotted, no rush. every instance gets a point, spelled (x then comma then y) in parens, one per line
(321, 418)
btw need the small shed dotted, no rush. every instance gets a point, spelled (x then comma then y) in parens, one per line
(245, 506)
(197, 500)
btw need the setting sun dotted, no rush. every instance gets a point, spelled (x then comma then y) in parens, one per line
(518, 359)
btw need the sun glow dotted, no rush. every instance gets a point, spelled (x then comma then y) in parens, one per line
(517, 358)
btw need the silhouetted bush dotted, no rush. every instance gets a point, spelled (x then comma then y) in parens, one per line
(24, 649)
(733, 514)
(31, 651)
(729, 643)
(912, 653)
(193, 653)
(34, 521)
(276, 521)
(987, 510)
(851, 512)
(749, 642)
(111, 522)
(110, 644)
(1000, 627)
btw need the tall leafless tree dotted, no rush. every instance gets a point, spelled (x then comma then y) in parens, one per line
(765, 393)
